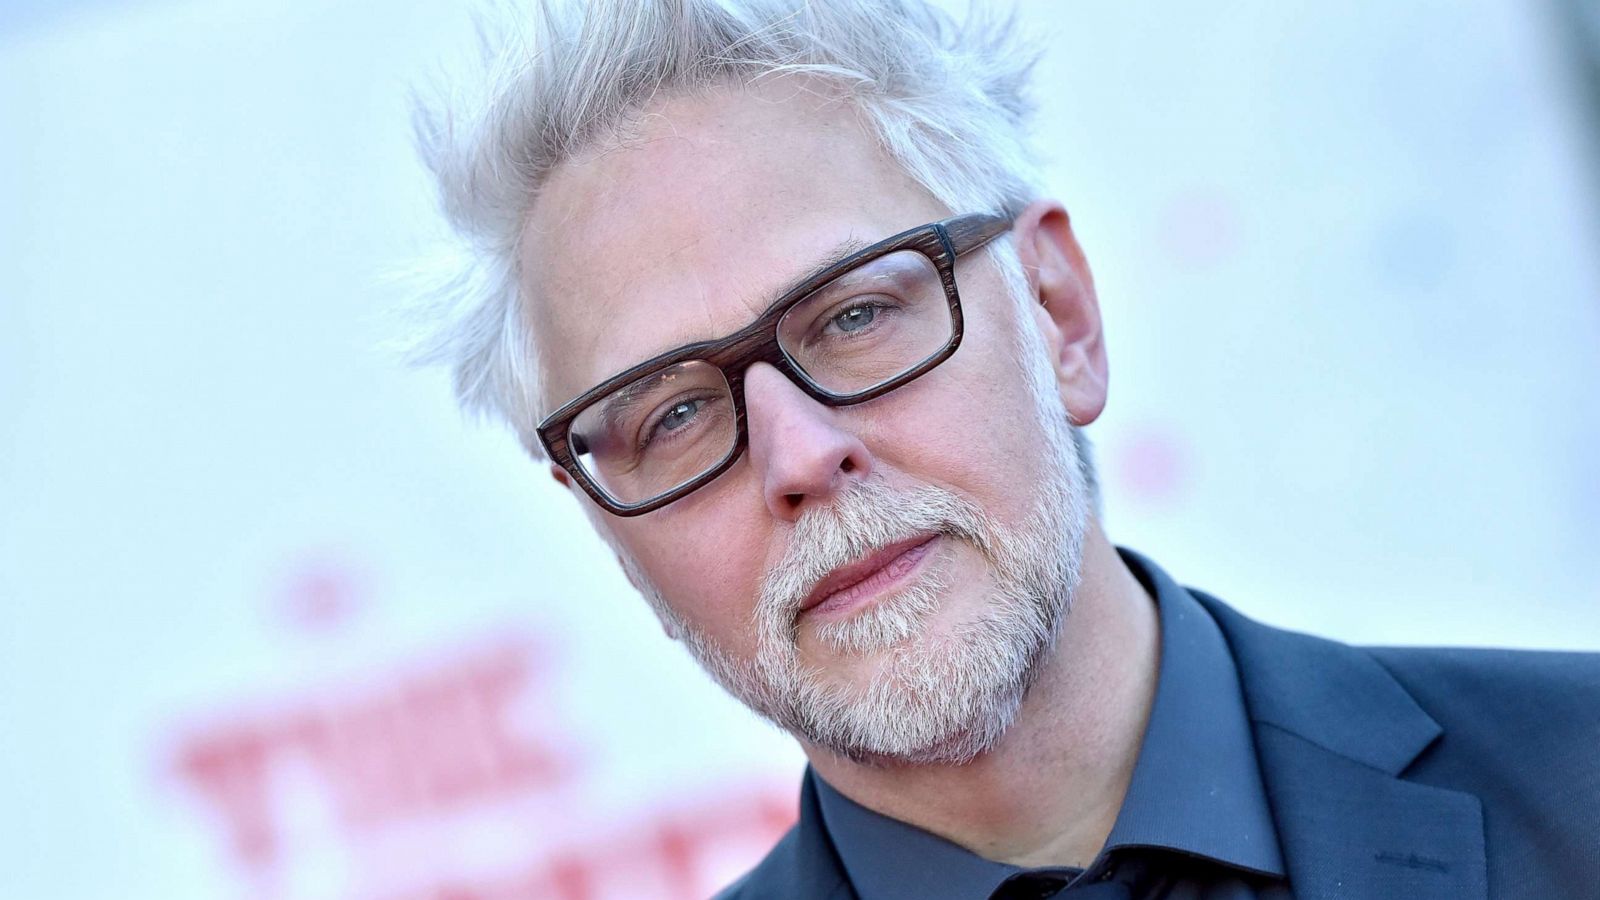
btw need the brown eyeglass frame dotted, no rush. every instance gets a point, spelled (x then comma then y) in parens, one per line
(941, 242)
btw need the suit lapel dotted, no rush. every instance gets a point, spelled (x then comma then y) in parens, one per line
(1334, 731)
(1347, 830)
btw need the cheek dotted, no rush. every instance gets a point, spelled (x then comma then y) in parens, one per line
(971, 424)
(707, 565)
(975, 443)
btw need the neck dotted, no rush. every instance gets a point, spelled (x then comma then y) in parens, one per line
(1049, 791)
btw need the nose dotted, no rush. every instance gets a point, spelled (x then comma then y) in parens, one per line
(797, 448)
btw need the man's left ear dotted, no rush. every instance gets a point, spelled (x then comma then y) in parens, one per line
(1067, 311)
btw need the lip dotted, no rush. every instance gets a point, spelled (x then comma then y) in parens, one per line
(834, 592)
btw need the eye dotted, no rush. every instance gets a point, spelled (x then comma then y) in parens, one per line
(855, 317)
(672, 420)
(679, 414)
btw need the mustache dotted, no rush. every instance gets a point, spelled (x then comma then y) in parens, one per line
(864, 519)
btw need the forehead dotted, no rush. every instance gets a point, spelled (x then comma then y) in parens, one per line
(692, 223)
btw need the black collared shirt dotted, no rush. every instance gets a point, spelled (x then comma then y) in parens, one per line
(1195, 824)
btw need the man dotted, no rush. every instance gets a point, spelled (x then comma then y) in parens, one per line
(770, 286)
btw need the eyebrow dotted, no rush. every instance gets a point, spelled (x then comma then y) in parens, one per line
(838, 254)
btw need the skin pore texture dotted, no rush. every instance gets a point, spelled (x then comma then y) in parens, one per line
(685, 228)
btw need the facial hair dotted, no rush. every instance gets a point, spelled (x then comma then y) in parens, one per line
(928, 699)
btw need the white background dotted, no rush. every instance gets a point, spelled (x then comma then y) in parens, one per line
(1346, 254)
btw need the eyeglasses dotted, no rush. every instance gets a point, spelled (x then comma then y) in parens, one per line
(856, 330)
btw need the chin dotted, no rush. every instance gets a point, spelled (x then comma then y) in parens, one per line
(942, 696)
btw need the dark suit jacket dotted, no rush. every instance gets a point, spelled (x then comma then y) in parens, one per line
(1419, 774)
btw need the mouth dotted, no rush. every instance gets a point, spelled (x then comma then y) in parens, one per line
(847, 587)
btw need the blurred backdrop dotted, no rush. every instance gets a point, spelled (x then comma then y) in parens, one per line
(276, 623)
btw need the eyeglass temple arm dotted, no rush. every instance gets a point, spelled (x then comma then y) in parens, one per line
(972, 231)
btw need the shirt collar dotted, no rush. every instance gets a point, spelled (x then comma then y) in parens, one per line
(1196, 785)
(887, 859)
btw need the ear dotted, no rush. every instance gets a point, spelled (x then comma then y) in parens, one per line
(1067, 311)
(560, 475)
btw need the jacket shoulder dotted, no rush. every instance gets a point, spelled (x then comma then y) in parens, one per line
(1517, 730)
(1521, 696)
(1524, 721)
(1521, 732)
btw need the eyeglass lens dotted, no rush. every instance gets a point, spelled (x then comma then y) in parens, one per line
(862, 329)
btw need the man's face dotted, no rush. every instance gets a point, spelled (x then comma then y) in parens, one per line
(686, 231)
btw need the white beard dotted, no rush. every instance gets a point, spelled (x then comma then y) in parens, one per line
(932, 698)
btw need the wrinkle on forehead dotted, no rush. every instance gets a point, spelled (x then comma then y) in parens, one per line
(688, 225)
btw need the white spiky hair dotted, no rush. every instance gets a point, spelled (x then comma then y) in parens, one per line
(947, 100)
